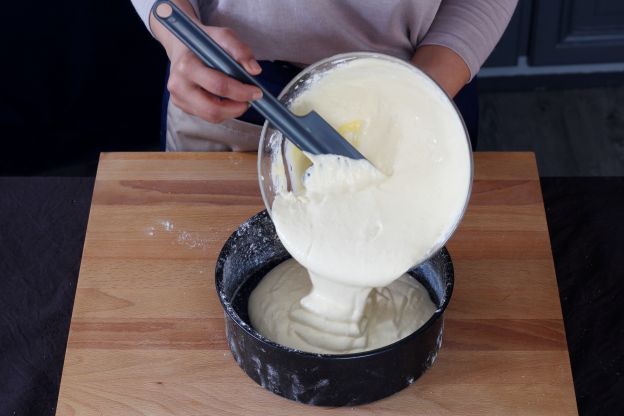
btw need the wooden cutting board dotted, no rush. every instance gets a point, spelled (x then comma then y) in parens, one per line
(147, 331)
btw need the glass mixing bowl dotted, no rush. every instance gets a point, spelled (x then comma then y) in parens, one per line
(281, 165)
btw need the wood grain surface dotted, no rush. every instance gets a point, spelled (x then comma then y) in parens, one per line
(147, 332)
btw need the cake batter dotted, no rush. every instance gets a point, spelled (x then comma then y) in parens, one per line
(392, 312)
(356, 226)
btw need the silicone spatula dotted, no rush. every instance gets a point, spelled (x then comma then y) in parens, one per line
(310, 133)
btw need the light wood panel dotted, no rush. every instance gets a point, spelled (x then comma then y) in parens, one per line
(147, 334)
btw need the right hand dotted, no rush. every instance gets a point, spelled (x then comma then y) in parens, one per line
(203, 91)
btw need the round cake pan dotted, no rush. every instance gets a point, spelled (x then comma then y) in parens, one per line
(320, 379)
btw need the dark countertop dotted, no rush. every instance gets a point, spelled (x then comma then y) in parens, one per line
(586, 224)
(42, 227)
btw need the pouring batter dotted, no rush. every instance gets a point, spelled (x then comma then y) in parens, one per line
(355, 227)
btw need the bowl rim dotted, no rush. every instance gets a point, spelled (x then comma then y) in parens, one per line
(249, 330)
(350, 56)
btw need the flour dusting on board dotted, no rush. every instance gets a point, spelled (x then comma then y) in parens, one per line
(191, 240)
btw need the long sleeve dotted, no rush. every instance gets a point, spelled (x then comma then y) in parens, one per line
(471, 28)
(143, 8)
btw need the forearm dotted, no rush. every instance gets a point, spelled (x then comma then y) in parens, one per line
(445, 66)
(469, 29)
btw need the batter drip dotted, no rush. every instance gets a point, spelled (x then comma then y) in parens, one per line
(396, 310)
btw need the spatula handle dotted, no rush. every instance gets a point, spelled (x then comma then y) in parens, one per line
(293, 127)
(198, 41)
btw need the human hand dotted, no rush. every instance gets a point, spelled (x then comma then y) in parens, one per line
(203, 91)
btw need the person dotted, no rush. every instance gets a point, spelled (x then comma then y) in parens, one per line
(274, 39)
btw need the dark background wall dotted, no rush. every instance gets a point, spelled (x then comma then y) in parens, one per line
(79, 77)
